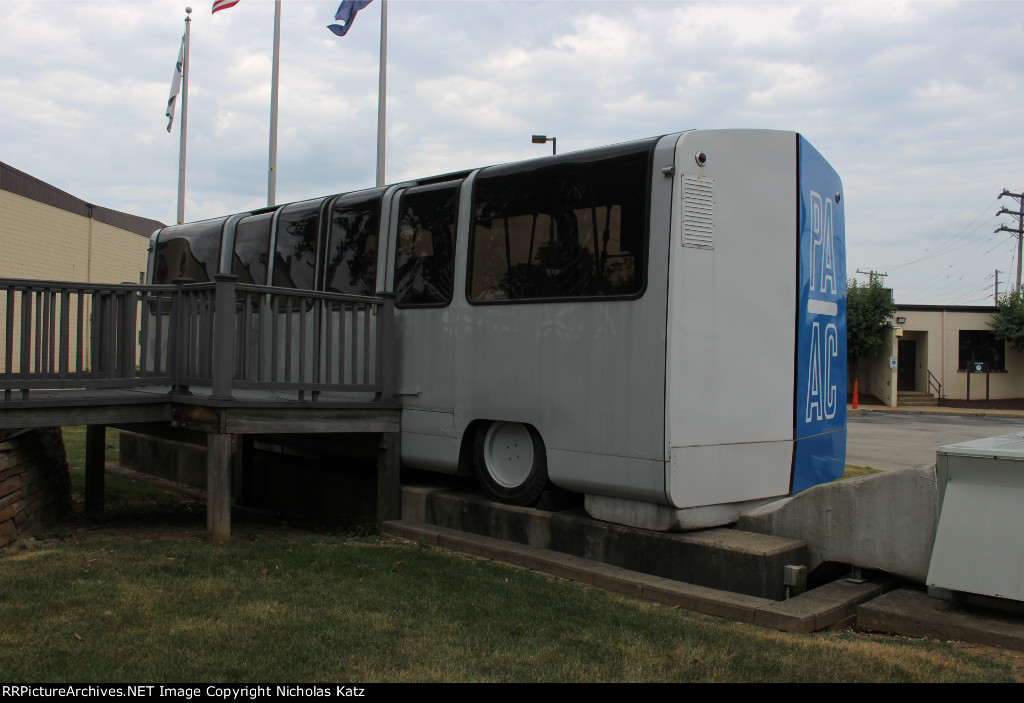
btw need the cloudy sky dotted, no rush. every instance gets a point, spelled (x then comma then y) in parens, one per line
(918, 105)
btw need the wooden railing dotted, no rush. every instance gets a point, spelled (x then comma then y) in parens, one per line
(222, 335)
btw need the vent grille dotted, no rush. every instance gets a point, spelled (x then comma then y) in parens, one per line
(698, 212)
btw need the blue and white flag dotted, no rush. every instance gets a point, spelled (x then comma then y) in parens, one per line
(175, 85)
(346, 14)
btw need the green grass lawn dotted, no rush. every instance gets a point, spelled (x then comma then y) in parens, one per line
(857, 471)
(115, 599)
(324, 609)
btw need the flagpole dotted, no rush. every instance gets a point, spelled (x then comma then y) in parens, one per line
(382, 91)
(272, 176)
(184, 121)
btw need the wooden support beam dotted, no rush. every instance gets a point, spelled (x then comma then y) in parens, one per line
(95, 466)
(389, 486)
(98, 411)
(302, 419)
(218, 487)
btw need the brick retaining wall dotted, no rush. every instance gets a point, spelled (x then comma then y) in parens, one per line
(35, 486)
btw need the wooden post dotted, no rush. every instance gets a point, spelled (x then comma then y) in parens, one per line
(218, 486)
(177, 344)
(386, 352)
(389, 486)
(222, 365)
(95, 466)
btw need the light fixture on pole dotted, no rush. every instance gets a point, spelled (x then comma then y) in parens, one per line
(542, 139)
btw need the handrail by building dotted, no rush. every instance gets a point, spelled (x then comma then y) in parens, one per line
(933, 383)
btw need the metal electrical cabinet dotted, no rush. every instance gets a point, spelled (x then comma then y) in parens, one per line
(979, 541)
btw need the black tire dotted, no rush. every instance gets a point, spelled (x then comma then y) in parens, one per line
(510, 462)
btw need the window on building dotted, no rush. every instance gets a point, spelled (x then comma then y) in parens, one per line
(981, 345)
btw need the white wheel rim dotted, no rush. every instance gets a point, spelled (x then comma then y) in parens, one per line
(508, 453)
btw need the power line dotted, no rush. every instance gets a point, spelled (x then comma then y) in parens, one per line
(964, 267)
(966, 264)
(939, 250)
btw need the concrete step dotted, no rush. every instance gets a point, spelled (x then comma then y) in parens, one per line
(731, 560)
(915, 399)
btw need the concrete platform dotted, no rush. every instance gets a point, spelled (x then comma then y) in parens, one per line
(914, 613)
(527, 538)
(833, 605)
(724, 559)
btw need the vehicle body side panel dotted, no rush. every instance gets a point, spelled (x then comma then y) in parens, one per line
(732, 302)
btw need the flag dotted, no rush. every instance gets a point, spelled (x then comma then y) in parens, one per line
(175, 85)
(222, 5)
(346, 14)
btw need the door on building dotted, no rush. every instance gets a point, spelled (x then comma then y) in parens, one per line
(906, 376)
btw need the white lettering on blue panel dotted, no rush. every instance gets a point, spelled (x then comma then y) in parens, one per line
(830, 351)
(828, 256)
(816, 233)
(822, 245)
(814, 409)
(822, 391)
(822, 394)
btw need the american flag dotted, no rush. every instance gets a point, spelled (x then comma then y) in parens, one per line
(222, 5)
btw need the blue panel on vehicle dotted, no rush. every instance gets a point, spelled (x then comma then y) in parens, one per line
(820, 406)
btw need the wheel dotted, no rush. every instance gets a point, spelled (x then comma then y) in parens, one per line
(510, 462)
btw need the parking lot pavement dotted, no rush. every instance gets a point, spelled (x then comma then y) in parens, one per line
(895, 440)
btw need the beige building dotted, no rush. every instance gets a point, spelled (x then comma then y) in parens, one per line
(51, 235)
(47, 234)
(945, 351)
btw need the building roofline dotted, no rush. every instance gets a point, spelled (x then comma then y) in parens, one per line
(20, 183)
(947, 308)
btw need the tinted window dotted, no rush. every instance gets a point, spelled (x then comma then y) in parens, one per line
(981, 345)
(575, 227)
(188, 251)
(298, 228)
(426, 244)
(352, 246)
(252, 247)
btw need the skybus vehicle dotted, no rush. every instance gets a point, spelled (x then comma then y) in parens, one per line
(659, 325)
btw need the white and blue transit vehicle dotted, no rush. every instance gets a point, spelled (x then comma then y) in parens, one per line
(659, 325)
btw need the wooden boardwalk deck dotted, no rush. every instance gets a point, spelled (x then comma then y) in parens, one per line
(220, 358)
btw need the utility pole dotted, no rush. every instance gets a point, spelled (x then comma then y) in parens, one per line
(1019, 229)
(872, 275)
(996, 296)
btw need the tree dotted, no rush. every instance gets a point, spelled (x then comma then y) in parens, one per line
(1007, 322)
(869, 308)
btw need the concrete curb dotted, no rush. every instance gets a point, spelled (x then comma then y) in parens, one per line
(832, 605)
(925, 410)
